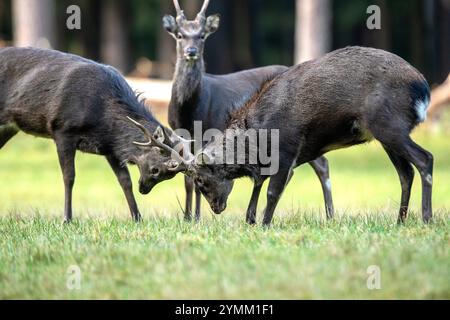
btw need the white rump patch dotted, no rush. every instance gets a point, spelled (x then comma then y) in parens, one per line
(421, 109)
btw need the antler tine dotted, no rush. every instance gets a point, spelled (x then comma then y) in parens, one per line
(144, 130)
(202, 12)
(155, 142)
(178, 8)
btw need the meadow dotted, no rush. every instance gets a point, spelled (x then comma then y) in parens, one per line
(301, 256)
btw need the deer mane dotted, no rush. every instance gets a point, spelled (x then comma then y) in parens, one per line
(239, 114)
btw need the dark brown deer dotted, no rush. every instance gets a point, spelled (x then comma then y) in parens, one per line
(347, 97)
(197, 96)
(81, 105)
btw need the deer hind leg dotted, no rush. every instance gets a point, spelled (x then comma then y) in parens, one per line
(423, 161)
(322, 169)
(391, 137)
(406, 174)
(7, 131)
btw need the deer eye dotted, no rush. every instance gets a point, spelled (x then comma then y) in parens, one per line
(199, 181)
(154, 171)
(179, 36)
(203, 36)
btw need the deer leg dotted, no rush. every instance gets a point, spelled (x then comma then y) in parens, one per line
(423, 161)
(198, 203)
(123, 176)
(276, 187)
(404, 147)
(251, 211)
(406, 174)
(6, 134)
(66, 153)
(189, 187)
(321, 168)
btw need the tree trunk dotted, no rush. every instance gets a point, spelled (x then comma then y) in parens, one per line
(90, 30)
(430, 38)
(313, 29)
(242, 58)
(115, 42)
(220, 46)
(34, 23)
(444, 38)
(166, 52)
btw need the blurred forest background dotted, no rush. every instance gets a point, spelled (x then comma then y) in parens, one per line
(129, 35)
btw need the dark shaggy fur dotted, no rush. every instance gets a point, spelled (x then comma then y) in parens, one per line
(349, 96)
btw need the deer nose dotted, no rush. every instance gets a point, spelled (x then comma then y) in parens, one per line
(218, 207)
(191, 51)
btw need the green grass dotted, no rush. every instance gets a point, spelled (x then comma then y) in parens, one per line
(301, 256)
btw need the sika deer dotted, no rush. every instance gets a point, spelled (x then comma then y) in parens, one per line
(347, 97)
(81, 105)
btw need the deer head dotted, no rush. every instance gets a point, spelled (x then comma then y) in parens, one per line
(211, 179)
(191, 34)
(159, 161)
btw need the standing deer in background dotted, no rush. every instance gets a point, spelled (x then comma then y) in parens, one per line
(81, 105)
(197, 96)
(347, 97)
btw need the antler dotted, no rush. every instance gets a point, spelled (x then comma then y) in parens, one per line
(182, 163)
(180, 12)
(177, 7)
(202, 12)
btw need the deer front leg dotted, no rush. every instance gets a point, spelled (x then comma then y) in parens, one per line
(253, 205)
(189, 187)
(123, 176)
(321, 168)
(66, 153)
(198, 203)
(276, 187)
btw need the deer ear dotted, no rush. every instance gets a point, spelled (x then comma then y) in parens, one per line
(212, 23)
(170, 24)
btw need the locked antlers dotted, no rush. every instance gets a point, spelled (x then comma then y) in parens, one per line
(185, 161)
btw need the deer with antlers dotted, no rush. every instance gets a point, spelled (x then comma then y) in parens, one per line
(82, 105)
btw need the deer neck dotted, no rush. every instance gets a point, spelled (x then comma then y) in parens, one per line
(187, 80)
(236, 133)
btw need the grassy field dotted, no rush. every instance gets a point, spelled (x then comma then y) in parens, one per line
(301, 256)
